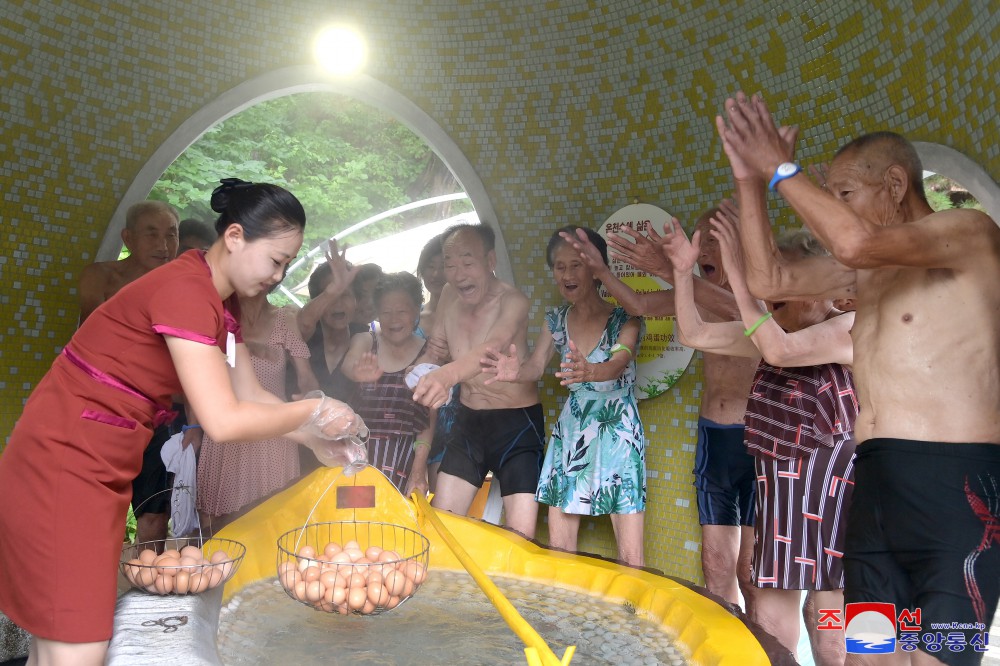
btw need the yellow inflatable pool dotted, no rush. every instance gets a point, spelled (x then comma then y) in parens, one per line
(707, 632)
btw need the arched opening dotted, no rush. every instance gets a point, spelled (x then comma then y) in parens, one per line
(298, 80)
(940, 159)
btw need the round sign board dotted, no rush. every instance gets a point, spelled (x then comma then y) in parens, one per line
(662, 359)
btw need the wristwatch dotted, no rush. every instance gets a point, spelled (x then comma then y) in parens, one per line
(784, 170)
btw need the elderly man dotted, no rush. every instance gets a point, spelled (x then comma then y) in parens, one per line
(923, 526)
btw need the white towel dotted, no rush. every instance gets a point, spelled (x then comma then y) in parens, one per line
(184, 466)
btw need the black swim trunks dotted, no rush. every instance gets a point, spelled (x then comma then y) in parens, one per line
(508, 442)
(724, 475)
(923, 533)
(150, 490)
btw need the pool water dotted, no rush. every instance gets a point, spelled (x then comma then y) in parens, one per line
(448, 621)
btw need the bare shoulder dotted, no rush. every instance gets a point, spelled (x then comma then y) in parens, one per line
(967, 220)
(511, 294)
(98, 272)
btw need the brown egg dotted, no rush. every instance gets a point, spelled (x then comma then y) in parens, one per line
(132, 568)
(198, 583)
(389, 556)
(368, 608)
(336, 595)
(408, 587)
(300, 591)
(395, 583)
(147, 556)
(415, 571)
(357, 580)
(192, 552)
(307, 552)
(172, 552)
(375, 576)
(377, 593)
(290, 578)
(286, 566)
(352, 545)
(146, 576)
(219, 556)
(330, 579)
(373, 553)
(393, 602)
(311, 573)
(314, 591)
(331, 549)
(164, 584)
(190, 564)
(167, 565)
(354, 553)
(357, 598)
(182, 582)
(215, 577)
(341, 558)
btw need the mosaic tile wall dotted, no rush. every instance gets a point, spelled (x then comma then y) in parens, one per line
(567, 110)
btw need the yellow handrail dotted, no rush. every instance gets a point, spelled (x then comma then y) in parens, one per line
(536, 651)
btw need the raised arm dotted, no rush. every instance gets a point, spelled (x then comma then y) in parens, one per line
(827, 342)
(769, 275)
(341, 276)
(720, 338)
(646, 253)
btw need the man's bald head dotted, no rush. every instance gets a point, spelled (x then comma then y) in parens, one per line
(874, 153)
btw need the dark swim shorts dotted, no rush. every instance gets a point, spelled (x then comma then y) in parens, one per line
(923, 533)
(149, 488)
(724, 475)
(508, 442)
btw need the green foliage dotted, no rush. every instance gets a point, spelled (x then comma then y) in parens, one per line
(343, 159)
(130, 526)
(944, 193)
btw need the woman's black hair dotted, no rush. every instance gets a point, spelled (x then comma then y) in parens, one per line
(404, 282)
(366, 273)
(433, 248)
(261, 209)
(319, 279)
(556, 240)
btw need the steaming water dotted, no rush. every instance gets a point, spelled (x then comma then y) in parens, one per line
(448, 621)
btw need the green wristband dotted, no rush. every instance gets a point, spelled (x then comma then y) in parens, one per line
(753, 329)
(417, 443)
(620, 347)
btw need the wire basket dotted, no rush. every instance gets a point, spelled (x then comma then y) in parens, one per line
(180, 566)
(352, 567)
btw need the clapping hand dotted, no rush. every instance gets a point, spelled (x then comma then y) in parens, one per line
(366, 369)
(642, 252)
(681, 252)
(590, 255)
(503, 367)
(753, 143)
(575, 367)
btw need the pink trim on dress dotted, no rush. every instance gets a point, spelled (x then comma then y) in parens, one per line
(110, 419)
(162, 415)
(183, 334)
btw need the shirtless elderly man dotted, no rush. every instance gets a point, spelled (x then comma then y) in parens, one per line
(498, 427)
(724, 475)
(923, 527)
(151, 236)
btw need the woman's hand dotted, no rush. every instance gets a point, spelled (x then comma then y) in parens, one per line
(341, 271)
(417, 482)
(367, 370)
(332, 419)
(575, 368)
(503, 367)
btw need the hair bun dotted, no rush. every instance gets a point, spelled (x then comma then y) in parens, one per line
(220, 195)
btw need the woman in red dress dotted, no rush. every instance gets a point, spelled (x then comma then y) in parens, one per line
(65, 476)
